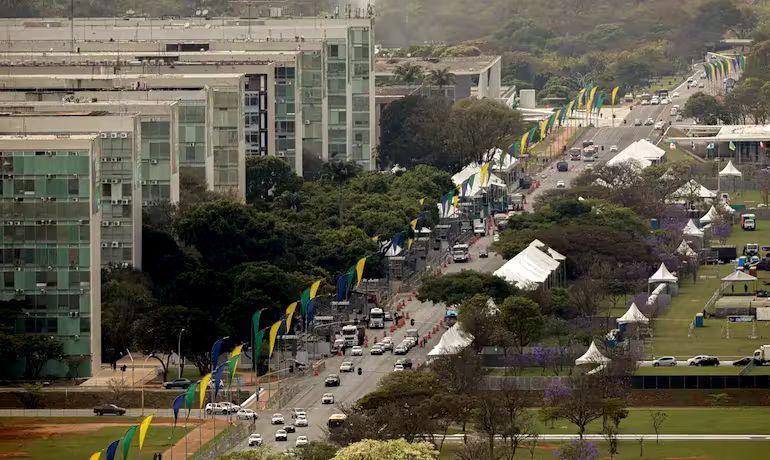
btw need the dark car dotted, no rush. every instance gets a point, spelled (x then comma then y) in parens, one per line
(290, 428)
(743, 361)
(177, 383)
(332, 381)
(709, 361)
(562, 166)
(406, 362)
(109, 409)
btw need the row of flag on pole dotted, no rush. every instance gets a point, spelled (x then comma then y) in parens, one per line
(724, 66)
(109, 452)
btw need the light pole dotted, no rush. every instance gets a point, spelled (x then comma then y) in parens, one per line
(132, 366)
(151, 355)
(179, 352)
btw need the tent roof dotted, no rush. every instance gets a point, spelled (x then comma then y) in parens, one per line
(730, 171)
(693, 188)
(475, 169)
(710, 216)
(592, 356)
(551, 252)
(692, 230)
(738, 275)
(641, 151)
(508, 162)
(633, 315)
(662, 276)
(685, 250)
(452, 342)
(528, 268)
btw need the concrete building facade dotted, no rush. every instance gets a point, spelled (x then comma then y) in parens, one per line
(50, 241)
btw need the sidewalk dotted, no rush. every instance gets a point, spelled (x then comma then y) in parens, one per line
(196, 438)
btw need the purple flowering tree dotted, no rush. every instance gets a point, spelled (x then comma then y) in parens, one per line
(721, 230)
(577, 449)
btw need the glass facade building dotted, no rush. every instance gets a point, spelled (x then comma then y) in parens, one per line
(227, 163)
(49, 241)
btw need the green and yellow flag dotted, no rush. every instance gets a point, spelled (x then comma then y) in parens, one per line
(232, 365)
(413, 224)
(204, 385)
(591, 98)
(290, 313)
(409, 244)
(259, 338)
(143, 428)
(580, 98)
(273, 334)
(129, 436)
(543, 128)
(615, 93)
(360, 270)
(524, 138)
(95, 456)
(484, 173)
(422, 201)
(314, 289)
(189, 397)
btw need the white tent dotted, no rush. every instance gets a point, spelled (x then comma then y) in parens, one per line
(685, 250)
(509, 161)
(710, 216)
(551, 252)
(474, 169)
(633, 315)
(529, 268)
(724, 207)
(592, 356)
(492, 308)
(452, 342)
(730, 171)
(662, 276)
(693, 189)
(739, 276)
(641, 153)
(692, 230)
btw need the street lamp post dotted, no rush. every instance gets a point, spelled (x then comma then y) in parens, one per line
(179, 352)
(132, 366)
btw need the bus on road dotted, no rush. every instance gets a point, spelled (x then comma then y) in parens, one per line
(337, 420)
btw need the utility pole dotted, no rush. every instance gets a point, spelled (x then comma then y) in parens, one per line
(72, 26)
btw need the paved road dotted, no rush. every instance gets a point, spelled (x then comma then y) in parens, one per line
(635, 437)
(354, 386)
(621, 136)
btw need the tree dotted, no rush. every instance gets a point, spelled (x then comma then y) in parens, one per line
(440, 77)
(704, 108)
(763, 184)
(482, 124)
(579, 403)
(126, 297)
(408, 73)
(721, 229)
(315, 450)
(477, 318)
(519, 425)
(398, 449)
(454, 288)
(523, 319)
(157, 333)
(267, 177)
(490, 419)
(586, 295)
(37, 349)
(657, 418)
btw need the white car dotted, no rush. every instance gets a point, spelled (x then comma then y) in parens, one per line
(387, 339)
(664, 101)
(377, 350)
(645, 102)
(297, 411)
(398, 368)
(695, 359)
(660, 125)
(560, 184)
(665, 361)
(356, 351)
(277, 419)
(230, 407)
(301, 441)
(281, 435)
(347, 366)
(301, 421)
(246, 414)
(327, 398)
(675, 94)
(496, 237)
(613, 148)
(400, 350)
(255, 440)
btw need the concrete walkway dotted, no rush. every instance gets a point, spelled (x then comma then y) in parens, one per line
(196, 438)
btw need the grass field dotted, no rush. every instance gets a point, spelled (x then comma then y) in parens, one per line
(78, 437)
(670, 450)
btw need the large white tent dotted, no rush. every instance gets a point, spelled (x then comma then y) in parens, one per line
(685, 250)
(474, 169)
(692, 189)
(494, 155)
(633, 315)
(739, 276)
(642, 152)
(592, 356)
(730, 171)
(452, 342)
(555, 255)
(692, 230)
(711, 216)
(529, 268)
(662, 276)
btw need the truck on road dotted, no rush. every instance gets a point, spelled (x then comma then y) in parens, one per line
(748, 221)
(461, 253)
(350, 335)
(762, 355)
(376, 318)
(479, 228)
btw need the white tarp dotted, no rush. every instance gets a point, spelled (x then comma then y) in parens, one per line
(685, 250)
(693, 189)
(730, 171)
(633, 315)
(528, 269)
(452, 342)
(592, 356)
(662, 276)
(692, 230)
(642, 152)
(710, 216)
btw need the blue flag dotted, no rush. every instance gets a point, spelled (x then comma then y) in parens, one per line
(215, 351)
(421, 220)
(342, 287)
(218, 378)
(111, 449)
(176, 405)
(311, 309)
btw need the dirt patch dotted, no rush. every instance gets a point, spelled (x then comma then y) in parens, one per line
(49, 430)
(547, 446)
(14, 455)
(700, 457)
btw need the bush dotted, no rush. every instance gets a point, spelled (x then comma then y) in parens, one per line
(30, 396)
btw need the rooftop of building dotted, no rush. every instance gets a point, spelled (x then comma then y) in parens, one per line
(396, 90)
(110, 104)
(129, 77)
(47, 137)
(466, 65)
(128, 55)
(744, 133)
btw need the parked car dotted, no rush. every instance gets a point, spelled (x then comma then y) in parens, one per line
(562, 166)
(708, 361)
(386, 345)
(246, 414)
(327, 398)
(649, 122)
(301, 441)
(332, 380)
(695, 359)
(177, 383)
(277, 419)
(281, 435)
(675, 94)
(665, 361)
(109, 409)
(217, 409)
(356, 351)
(400, 350)
(637, 122)
(743, 361)
(301, 422)
(613, 148)
(255, 440)
(347, 366)
(398, 368)
(660, 125)
(230, 407)
(483, 254)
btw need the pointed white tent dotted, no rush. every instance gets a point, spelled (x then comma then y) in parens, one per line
(739, 276)
(710, 216)
(693, 189)
(452, 342)
(633, 315)
(592, 356)
(662, 276)
(730, 171)
(685, 250)
(692, 230)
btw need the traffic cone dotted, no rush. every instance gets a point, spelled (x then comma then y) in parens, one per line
(392, 329)
(315, 372)
(406, 313)
(421, 344)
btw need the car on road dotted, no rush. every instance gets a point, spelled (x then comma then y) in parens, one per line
(613, 148)
(743, 361)
(708, 361)
(230, 407)
(109, 409)
(562, 166)
(301, 422)
(347, 366)
(649, 122)
(281, 435)
(401, 349)
(387, 346)
(290, 428)
(483, 254)
(637, 122)
(665, 361)
(398, 368)
(298, 412)
(376, 350)
(675, 94)
(560, 184)
(655, 100)
(177, 383)
(356, 351)
(388, 316)
(277, 419)
(406, 362)
(327, 398)
(332, 380)
(665, 101)
(645, 102)
(246, 414)
(217, 409)
(660, 125)
(255, 440)
(696, 359)
(701, 85)
(301, 441)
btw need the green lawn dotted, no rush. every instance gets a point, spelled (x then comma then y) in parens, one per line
(671, 450)
(61, 438)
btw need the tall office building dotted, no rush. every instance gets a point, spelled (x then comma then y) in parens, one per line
(50, 241)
